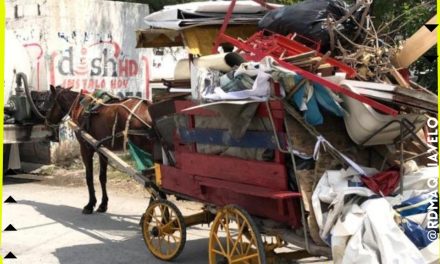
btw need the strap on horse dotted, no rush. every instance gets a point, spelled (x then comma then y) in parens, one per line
(127, 123)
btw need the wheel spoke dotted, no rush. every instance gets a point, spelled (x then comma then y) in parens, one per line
(240, 234)
(177, 239)
(219, 253)
(249, 246)
(168, 224)
(244, 258)
(220, 244)
(168, 245)
(159, 239)
(226, 225)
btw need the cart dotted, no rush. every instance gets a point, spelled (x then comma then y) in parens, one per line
(249, 204)
(255, 208)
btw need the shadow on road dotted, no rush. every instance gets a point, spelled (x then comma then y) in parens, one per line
(119, 238)
(19, 179)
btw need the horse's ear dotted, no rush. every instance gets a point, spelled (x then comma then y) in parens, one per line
(52, 89)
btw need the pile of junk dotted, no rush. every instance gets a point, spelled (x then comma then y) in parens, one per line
(362, 132)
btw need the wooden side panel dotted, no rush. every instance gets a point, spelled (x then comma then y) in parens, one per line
(247, 189)
(287, 211)
(251, 139)
(283, 208)
(259, 173)
(176, 180)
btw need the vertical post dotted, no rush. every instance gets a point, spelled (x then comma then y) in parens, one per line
(224, 26)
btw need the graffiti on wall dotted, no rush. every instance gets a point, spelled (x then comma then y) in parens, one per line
(82, 63)
(101, 65)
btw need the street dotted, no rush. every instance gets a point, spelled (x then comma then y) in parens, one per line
(51, 228)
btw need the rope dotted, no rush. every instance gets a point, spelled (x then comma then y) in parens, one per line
(127, 123)
(114, 130)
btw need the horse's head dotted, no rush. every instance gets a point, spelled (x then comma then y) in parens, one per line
(59, 104)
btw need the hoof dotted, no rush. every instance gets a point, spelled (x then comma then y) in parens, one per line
(102, 209)
(87, 210)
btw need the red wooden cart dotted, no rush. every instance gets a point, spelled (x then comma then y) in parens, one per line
(249, 204)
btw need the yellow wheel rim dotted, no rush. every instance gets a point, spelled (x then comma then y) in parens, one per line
(234, 239)
(163, 230)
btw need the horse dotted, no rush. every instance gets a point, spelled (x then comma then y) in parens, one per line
(112, 124)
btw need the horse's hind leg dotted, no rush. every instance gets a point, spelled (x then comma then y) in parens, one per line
(103, 180)
(87, 157)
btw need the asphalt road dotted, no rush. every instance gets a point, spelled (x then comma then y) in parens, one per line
(52, 229)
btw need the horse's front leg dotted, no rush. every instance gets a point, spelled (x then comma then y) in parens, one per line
(87, 157)
(103, 180)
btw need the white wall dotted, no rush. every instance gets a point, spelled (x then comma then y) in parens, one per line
(87, 44)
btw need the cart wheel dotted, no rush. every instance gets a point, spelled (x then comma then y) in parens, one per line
(164, 230)
(235, 238)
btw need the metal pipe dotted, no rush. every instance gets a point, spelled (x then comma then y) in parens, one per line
(23, 77)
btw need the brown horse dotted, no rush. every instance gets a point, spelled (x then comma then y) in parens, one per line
(107, 124)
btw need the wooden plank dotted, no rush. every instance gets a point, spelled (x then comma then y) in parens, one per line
(371, 85)
(258, 173)
(375, 94)
(421, 88)
(300, 56)
(399, 78)
(417, 95)
(283, 211)
(251, 139)
(112, 157)
(247, 189)
(415, 46)
(398, 98)
(415, 103)
(181, 105)
(286, 210)
(175, 180)
(311, 61)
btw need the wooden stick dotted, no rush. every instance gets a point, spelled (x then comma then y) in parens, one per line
(115, 160)
(399, 78)
(301, 56)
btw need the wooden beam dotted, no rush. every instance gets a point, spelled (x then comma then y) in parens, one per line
(112, 157)
(415, 46)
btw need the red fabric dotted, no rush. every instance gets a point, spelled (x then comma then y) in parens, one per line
(84, 91)
(384, 182)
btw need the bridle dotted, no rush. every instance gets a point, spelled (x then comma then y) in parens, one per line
(74, 104)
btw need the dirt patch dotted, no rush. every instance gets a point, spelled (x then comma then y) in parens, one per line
(72, 174)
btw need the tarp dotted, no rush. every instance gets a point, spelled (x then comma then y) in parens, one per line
(306, 18)
(143, 160)
(204, 13)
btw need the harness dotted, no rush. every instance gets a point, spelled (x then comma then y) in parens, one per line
(85, 125)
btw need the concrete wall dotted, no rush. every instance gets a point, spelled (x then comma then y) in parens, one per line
(87, 44)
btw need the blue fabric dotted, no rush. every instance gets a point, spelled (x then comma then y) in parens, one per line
(312, 115)
(417, 234)
(321, 98)
(326, 101)
(406, 208)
